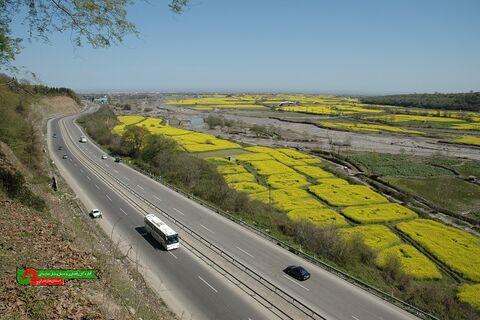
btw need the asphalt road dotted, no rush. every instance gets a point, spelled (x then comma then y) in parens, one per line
(324, 292)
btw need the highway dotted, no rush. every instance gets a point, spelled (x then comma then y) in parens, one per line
(188, 283)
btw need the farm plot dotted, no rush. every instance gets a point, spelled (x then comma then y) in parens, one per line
(378, 213)
(128, 120)
(468, 140)
(365, 127)
(269, 167)
(295, 154)
(239, 177)
(314, 172)
(467, 126)
(150, 123)
(457, 249)
(287, 180)
(318, 216)
(248, 187)
(230, 169)
(470, 293)
(347, 195)
(395, 118)
(288, 199)
(376, 237)
(253, 157)
(411, 261)
(337, 182)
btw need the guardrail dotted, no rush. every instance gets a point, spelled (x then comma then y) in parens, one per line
(263, 281)
(385, 296)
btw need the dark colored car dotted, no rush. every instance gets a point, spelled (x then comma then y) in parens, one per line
(59, 147)
(65, 156)
(117, 159)
(297, 272)
(54, 135)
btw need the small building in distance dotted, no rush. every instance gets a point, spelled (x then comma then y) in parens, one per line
(286, 104)
(102, 100)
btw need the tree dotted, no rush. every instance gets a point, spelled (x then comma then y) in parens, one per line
(133, 140)
(100, 23)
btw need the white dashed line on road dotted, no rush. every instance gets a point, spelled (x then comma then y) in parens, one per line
(140, 187)
(208, 284)
(74, 164)
(248, 254)
(97, 187)
(127, 178)
(355, 318)
(108, 197)
(157, 198)
(206, 228)
(173, 254)
(116, 171)
(179, 211)
(88, 178)
(123, 211)
(298, 284)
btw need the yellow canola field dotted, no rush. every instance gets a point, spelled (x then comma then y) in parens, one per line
(269, 167)
(468, 140)
(337, 182)
(150, 123)
(239, 177)
(295, 154)
(411, 261)
(288, 199)
(467, 126)
(119, 129)
(230, 169)
(168, 131)
(412, 118)
(314, 172)
(200, 142)
(376, 237)
(318, 216)
(457, 249)
(365, 127)
(218, 160)
(378, 213)
(312, 161)
(230, 106)
(128, 120)
(330, 109)
(470, 293)
(247, 187)
(253, 157)
(347, 195)
(277, 155)
(222, 100)
(287, 180)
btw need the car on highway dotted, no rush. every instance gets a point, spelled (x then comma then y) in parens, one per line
(65, 156)
(104, 157)
(54, 135)
(59, 147)
(118, 159)
(95, 213)
(297, 272)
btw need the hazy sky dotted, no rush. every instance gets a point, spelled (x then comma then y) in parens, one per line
(357, 46)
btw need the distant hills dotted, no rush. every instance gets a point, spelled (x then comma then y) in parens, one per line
(449, 101)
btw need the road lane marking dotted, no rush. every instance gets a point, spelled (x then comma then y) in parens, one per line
(172, 254)
(81, 170)
(248, 254)
(157, 198)
(140, 187)
(108, 197)
(208, 284)
(74, 164)
(88, 178)
(123, 211)
(355, 318)
(206, 228)
(127, 178)
(115, 170)
(97, 187)
(70, 160)
(179, 211)
(298, 284)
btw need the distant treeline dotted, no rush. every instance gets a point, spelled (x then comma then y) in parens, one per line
(25, 87)
(449, 101)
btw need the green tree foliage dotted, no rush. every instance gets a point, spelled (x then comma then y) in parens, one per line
(100, 23)
(449, 101)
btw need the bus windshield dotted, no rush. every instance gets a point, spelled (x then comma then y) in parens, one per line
(171, 239)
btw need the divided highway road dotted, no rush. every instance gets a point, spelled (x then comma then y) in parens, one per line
(190, 284)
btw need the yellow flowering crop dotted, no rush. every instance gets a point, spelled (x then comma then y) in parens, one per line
(239, 177)
(375, 236)
(294, 154)
(260, 149)
(333, 182)
(318, 216)
(411, 261)
(378, 213)
(119, 129)
(468, 140)
(253, 157)
(314, 172)
(410, 118)
(128, 120)
(230, 169)
(247, 187)
(277, 155)
(150, 123)
(457, 249)
(470, 293)
(312, 161)
(218, 160)
(348, 195)
(365, 127)
(467, 126)
(268, 167)
(217, 144)
(287, 180)
(288, 199)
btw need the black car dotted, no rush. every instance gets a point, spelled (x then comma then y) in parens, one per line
(297, 272)
(118, 159)
(59, 147)
(54, 135)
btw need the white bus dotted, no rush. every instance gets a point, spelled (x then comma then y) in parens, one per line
(161, 232)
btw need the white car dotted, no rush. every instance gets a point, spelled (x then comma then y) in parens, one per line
(104, 157)
(95, 213)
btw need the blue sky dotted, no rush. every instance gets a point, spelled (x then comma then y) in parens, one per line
(312, 46)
